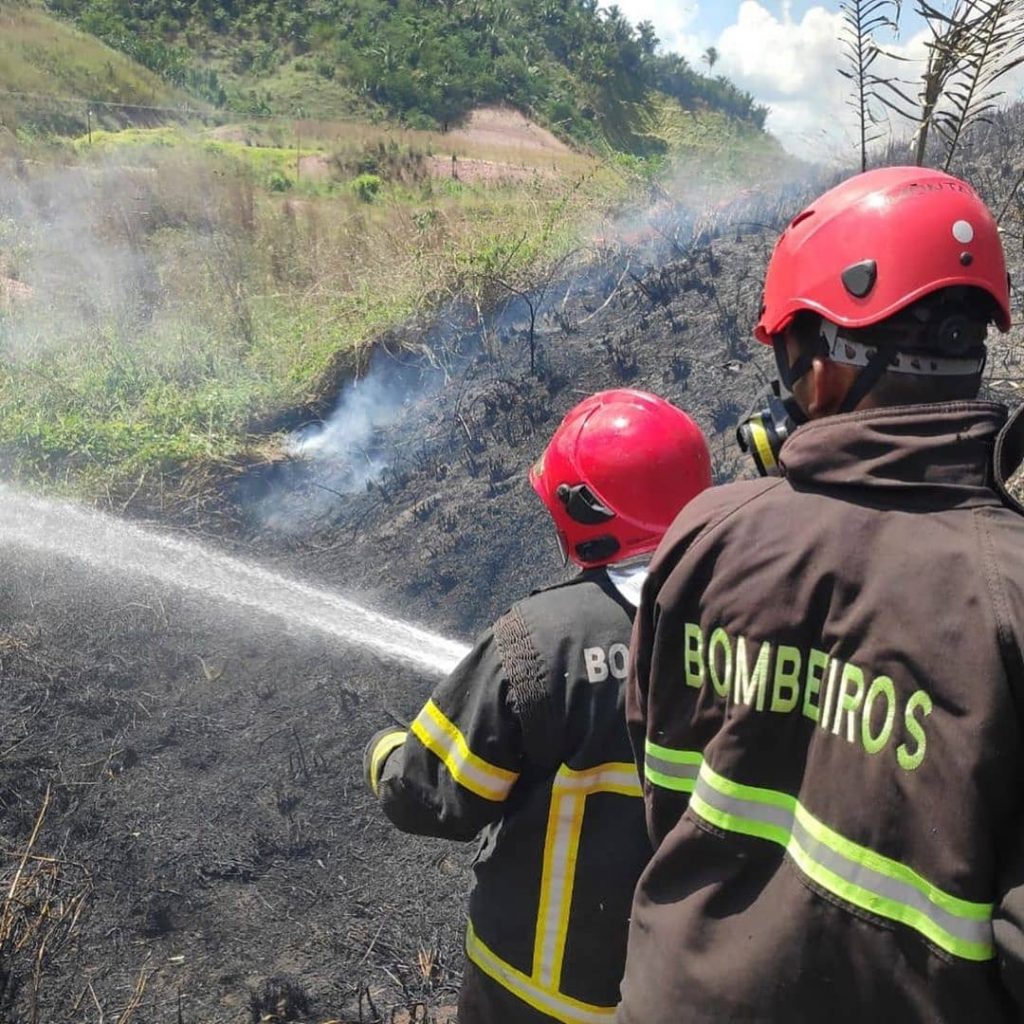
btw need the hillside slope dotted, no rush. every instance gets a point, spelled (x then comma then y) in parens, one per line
(569, 64)
(44, 62)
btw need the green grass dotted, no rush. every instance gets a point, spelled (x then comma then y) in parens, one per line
(45, 61)
(257, 296)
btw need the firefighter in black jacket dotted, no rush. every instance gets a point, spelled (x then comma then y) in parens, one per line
(526, 742)
(826, 692)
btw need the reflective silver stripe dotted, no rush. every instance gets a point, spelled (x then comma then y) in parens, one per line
(569, 792)
(854, 873)
(671, 769)
(442, 737)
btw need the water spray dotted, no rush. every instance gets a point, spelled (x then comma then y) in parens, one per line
(112, 545)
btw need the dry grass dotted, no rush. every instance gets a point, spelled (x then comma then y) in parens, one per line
(39, 916)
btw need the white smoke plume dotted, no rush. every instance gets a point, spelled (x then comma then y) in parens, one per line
(343, 445)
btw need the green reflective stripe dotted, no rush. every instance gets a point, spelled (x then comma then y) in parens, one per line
(859, 876)
(671, 769)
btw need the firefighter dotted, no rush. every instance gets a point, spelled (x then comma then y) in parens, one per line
(525, 743)
(826, 682)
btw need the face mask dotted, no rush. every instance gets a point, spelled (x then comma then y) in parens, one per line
(763, 431)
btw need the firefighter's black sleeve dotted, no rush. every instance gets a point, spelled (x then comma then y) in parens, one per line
(637, 682)
(450, 775)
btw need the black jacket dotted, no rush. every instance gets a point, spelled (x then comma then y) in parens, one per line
(826, 698)
(526, 742)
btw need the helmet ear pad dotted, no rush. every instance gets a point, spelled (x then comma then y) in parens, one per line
(582, 506)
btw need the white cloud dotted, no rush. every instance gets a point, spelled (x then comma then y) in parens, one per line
(673, 21)
(790, 66)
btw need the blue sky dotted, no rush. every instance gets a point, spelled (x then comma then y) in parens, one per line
(714, 17)
(786, 54)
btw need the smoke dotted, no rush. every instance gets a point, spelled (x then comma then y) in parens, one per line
(343, 446)
(68, 238)
(361, 445)
(348, 453)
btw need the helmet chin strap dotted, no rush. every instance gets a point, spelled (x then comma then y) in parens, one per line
(790, 373)
(874, 365)
(872, 360)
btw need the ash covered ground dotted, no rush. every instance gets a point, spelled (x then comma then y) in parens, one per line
(182, 814)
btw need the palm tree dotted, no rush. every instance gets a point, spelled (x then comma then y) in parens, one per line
(710, 57)
(648, 37)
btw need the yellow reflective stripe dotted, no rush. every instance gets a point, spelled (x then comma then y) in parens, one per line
(561, 848)
(761, 443)
(569, 792)
(380, 754)
(857, 875)
(442, 738)
(544, 999)
(612, 777)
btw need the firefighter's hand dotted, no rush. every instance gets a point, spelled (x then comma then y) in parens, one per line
(383, 743)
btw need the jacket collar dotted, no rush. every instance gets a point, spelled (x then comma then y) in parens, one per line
(924, 455)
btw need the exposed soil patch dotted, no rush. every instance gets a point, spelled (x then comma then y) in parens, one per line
(13, 292)
(505, 127)
(231, 133)
(472, 170)
(315, 167)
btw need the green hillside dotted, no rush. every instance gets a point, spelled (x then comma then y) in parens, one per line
(568, 63)
(44, 61)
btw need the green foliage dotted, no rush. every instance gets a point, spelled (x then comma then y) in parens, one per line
(429, 62)
(278, 182)
(41, 57)
(366, 187)
(244, 299)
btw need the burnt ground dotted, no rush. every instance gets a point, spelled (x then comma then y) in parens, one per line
(184, 834)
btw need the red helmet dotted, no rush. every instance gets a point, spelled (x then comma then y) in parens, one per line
(879, 242)
(616, 473)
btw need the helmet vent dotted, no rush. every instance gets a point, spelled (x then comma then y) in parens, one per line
(859, 278)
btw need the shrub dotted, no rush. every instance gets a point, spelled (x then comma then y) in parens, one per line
(367, 186)
(278, 182)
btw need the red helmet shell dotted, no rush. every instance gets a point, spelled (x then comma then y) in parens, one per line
(923, 229)
(639, 456)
